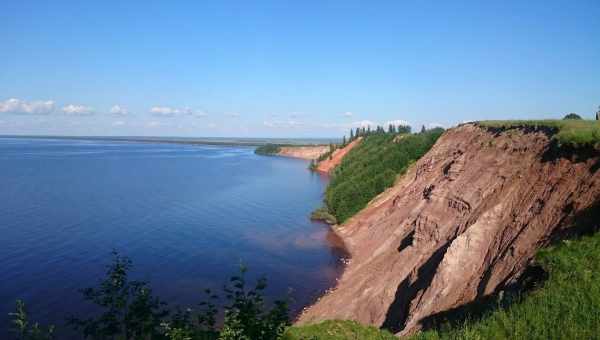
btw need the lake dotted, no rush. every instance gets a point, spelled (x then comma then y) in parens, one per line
(186, 215)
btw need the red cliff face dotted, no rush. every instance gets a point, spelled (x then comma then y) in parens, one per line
(462, 223)
(326, 166)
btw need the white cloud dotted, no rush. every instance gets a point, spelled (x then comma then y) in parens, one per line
(434, 125)
(347, 114)
(169, 111)
(212, 125)
(152, 124)
(396, 123)
(232, 115)
(77, 110)
(118, 110)
(118, 123)
(363, 123)
(14, 105)
(283, 124)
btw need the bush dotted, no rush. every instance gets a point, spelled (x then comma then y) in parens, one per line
(371, 167)
(572, 116)
(571, 132)
(129, 310)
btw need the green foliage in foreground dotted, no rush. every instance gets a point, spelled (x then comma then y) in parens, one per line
(371, 167)
(337, 330)
(127, 309)
(268, 149)
(567, 132)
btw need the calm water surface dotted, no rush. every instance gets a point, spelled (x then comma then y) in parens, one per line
(186, 216)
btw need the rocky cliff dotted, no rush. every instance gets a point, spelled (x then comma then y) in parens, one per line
(464, 222)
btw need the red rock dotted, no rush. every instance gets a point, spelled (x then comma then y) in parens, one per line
(462, 223)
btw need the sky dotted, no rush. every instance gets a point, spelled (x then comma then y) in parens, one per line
(290, 68)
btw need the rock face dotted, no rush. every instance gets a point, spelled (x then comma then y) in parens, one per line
(304, 152)
(328, 165)
(462, 223)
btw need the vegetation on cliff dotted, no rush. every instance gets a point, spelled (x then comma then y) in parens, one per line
(371, 167)
(268, 149)
(567, 132)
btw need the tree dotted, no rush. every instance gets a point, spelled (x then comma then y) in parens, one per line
(344, 140)
(423, 129)
(26, 331)
(351, 135)
(357, 132)
(128, 308)
(572, 116)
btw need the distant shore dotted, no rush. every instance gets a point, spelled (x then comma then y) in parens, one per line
(218, 141)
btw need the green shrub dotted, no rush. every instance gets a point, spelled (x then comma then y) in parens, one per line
(567, 132)
(371, 167)
(322, 214)
(129, 310)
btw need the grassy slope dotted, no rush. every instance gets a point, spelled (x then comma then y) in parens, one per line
(567, 306)
(371, 167)
(566, 132)
(337, 330)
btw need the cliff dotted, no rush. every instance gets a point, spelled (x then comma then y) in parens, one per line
(461, 224)
(304, 152)
(327, 165)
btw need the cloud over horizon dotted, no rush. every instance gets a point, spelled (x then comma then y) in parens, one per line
(18, 106)
(79, 110)
(118, 110)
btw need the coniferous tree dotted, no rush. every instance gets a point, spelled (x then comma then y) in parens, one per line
(344, 140)
(423, 129)
(351, 134)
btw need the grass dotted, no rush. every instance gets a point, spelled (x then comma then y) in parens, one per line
(566, 306)
(337, 330)
(567, 132)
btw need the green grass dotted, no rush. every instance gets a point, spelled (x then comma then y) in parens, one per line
(576, 133)
(371, 167)
(337, 330)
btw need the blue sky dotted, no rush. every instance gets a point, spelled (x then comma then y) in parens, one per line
(290, 68)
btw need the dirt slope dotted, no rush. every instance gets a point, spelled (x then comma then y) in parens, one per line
(328, 165)
(304, 152)
(463, 222)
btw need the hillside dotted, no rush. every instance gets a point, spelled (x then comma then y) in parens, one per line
(371, 167)
(463, 223)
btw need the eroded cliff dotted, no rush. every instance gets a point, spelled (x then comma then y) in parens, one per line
(462, 223)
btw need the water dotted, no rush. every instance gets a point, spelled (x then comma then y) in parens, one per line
(186, 215)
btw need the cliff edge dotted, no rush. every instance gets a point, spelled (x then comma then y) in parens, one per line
(462, 223)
